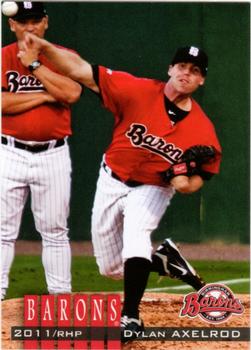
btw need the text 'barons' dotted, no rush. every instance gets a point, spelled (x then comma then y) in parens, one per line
(78, 310)
(139, 138)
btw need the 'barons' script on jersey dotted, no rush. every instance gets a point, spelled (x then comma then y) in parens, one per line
(22, 83)
(139, 138)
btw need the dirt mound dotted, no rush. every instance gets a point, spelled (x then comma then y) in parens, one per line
(157, 310)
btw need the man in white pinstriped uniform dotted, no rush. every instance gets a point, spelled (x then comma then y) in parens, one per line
(156, 123)
(36, 122)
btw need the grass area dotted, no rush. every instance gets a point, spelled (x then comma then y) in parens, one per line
(27, 276)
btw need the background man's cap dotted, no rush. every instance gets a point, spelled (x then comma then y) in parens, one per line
(29, 9)
(192, 54)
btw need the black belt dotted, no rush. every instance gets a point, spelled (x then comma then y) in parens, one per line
(130, 183)
(35, 148)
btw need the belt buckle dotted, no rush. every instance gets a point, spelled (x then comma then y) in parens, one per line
(33, 149)
(37, 149)
(132, 183)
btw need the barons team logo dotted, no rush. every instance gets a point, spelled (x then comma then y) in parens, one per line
(214, 303)
(140, 138)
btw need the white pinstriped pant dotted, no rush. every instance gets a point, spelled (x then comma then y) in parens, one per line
(47, 176)
(123, 219)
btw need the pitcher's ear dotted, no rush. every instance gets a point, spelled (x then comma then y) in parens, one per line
(169, 70)
(11, 24)
(202, 82)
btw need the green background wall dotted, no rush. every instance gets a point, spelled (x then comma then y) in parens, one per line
(141, 38)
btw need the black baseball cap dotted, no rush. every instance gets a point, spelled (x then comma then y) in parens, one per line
(29, 9)
(192, 54)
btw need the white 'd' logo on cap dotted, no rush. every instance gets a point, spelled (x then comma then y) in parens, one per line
(27, 5)
(194, 51)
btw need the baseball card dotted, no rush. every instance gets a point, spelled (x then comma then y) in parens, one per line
(124, 172)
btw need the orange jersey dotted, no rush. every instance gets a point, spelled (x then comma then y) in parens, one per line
(45, 122)
(145, 141)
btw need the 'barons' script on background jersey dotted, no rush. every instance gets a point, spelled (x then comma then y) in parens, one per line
(23, 83)
(139, 138)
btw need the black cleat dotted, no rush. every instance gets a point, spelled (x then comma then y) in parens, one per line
(171, 263)
(128, 328)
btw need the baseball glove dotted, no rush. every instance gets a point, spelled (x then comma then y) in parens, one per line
(191, 161)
